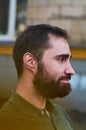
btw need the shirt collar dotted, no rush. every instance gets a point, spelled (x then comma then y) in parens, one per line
(25, 107)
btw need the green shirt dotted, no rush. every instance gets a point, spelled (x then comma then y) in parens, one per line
(18, 114)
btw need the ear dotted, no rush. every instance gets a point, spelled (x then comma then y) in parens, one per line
(30, 61)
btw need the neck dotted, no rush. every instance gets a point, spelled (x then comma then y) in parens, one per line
(27, 91)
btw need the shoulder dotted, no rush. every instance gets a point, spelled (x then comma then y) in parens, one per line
(8, 110)
(5, 111)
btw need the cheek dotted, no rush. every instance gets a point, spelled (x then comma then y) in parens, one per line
(53, 69)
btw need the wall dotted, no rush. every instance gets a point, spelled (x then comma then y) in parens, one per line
(68, 14)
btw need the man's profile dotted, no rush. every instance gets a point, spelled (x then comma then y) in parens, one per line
(42, 58)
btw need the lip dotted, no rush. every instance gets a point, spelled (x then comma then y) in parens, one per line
(64, 81)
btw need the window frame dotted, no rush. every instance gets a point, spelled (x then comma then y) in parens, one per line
(10, 36)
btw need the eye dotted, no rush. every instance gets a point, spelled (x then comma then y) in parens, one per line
(62, 59)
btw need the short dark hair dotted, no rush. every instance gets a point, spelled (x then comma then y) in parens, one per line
(34, 39)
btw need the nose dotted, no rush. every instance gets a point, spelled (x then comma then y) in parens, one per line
(69, 69)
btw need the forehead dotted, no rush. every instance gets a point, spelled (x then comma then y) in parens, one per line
(58, 46)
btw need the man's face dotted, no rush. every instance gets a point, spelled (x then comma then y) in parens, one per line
(54, 70)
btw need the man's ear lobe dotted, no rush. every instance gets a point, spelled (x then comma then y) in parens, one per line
(29, 61)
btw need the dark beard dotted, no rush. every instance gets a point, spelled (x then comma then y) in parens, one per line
(49, 88)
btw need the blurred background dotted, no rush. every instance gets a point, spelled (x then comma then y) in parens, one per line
(15, 15)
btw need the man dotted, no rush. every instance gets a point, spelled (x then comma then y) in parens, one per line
(42, 59)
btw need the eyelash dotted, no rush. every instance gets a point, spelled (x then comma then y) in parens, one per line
(61, 59)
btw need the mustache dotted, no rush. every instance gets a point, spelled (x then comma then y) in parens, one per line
(67, 77)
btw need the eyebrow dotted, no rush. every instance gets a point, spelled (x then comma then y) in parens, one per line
(63, 56)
